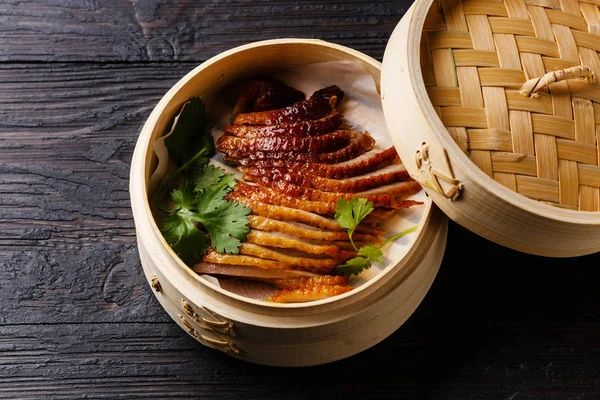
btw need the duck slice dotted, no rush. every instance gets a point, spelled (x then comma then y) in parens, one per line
(357, 166)
(242, 147)
(311, 293)
(261, 223)
(294, 215)
(266, 93)
(249, 271)
(316, 127)
(386, 176)
(321, 103)
(360, 143)
(325, 206)
(284, 241)
(383, 199)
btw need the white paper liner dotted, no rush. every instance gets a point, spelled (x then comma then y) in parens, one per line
(361, 108)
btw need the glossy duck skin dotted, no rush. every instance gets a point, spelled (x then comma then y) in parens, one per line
(301, 178)
(236, 147)
(316, 127)
(360, 143)
(266, 93)
(321, 103)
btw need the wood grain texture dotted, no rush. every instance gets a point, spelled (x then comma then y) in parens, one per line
(160, 30)
(67, 232)
(78, 320)
(521, 328)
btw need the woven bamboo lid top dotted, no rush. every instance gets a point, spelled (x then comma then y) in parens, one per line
(541, 139)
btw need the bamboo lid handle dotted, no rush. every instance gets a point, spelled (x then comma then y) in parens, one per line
(532, 86)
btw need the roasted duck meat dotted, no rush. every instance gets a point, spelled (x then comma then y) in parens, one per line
(317, 127)
(236, 147)
(309, 289)
(359, 143)
(283, 186)
(321, 103)
(356, 166)
(298, 158)
(326, 207)
(266, 93)
(308, 180)
(295, 215)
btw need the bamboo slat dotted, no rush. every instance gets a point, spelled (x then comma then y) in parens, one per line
(544, 147)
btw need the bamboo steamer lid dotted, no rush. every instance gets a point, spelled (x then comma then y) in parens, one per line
(496, 104)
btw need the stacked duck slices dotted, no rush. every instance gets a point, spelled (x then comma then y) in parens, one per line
(299, 157)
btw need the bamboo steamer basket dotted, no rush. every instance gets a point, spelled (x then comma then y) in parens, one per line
(288, 335)
(503, 117)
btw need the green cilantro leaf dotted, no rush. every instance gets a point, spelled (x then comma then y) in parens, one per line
(188, 136)
(354, 266)
(228, 180)
(371, 251)
(200, 214)
(206, 177)
(227, 226)
(184, 197)
(211, 199)
(178, 224)
(192, 247)
(348, 214)
(200, 208)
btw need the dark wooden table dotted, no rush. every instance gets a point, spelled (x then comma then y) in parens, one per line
(77, 80)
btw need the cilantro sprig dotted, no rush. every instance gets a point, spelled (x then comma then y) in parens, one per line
(203, 217)
(200, 217)
(349, 214)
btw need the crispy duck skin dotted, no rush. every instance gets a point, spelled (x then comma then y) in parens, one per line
(312, 293)
(266, 93)
(359, 143)
(236, 259)
(306, 193)
(326, 184)
(270, 196)
(321, 103)
(283, 241)
(241, 147)
(316, 127)
(300, 283)
(295, 215)
(304, 263)
(333, 171)
(395, 189)
(268, 264)
(273, 225)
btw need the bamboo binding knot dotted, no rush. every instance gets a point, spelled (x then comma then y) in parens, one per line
(534, 85)
(433, 178)
(155, 284)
